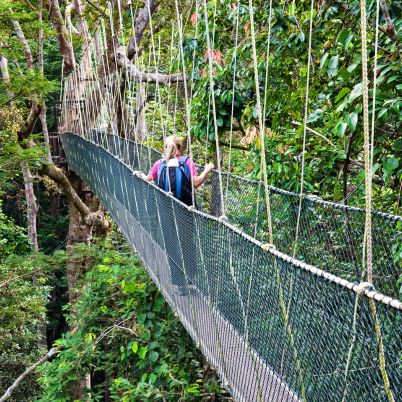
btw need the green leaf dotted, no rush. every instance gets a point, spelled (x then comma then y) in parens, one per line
(352, 67)
(153, 356)
(397, 145)
(142, 352)
(345, 37)
(323, 60)
(342, 93)
(315, 115)
(333, 66)
(352, 119)
(340, 129)
(383, 112)
(130, 287)
(356, 92)
(152, 378)
(392, 78)
(134, 347)
(141, 318)
(390, 164)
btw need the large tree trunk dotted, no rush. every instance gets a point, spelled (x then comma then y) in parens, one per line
(78, 233)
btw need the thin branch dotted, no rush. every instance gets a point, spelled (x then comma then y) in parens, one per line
(27, 372)
(103, 13)
(241, 148)
(296, 123)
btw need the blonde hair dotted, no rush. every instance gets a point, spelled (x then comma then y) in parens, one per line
(173, 146)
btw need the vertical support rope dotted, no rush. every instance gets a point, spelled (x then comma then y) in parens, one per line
(233, 94)
(306, 103)
(368, 158)
(261, 124)
(211, 87)
(366, 134)
(282, 304)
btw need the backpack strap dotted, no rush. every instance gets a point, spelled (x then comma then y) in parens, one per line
(184, 166)
(161, 177)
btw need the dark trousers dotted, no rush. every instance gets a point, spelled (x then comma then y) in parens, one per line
(180, 245)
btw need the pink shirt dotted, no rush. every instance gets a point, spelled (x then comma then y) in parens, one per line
(189, 162)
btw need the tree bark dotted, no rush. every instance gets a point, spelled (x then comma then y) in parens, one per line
(142, 76)
(141, 129)
(89, 218)
(42, 117)
(24, 42)
(141, 24)
(65, 45)
(31, 207)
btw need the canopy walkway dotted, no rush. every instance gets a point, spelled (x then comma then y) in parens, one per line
(275, 292)
(239, 289)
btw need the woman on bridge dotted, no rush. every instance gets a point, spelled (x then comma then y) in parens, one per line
(183, 178)
(178, 175)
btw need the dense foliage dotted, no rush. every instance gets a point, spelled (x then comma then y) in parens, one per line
(125, 337)
(121, 333)
(335, 92)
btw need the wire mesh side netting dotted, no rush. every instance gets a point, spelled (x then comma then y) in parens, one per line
(330, 235)
(273, 329)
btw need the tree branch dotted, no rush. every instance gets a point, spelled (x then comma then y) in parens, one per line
(141, 24)
(141, 76)
(30, 122)
(27, 50)
(355, 166)
(69, 23)
(65, 45)
(90, 218)
(29, 370)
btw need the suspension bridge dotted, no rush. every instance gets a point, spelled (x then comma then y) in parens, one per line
(279, 295)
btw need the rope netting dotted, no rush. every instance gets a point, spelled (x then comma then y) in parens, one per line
(330, 236)
(270, 284)
(231, 304)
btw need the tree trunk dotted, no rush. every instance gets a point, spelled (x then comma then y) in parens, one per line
(78, 233)
(141, 129)
(42, 118)
(32, 209)
(65, 45)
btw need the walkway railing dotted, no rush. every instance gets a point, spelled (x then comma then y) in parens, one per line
(275, 328)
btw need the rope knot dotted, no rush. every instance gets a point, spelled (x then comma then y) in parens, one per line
(268, 247)
(363, 286)
(223, 218)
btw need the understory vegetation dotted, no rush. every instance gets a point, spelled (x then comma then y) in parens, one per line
(69, 280)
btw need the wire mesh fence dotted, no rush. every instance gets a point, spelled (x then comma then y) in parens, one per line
(275, 328)
(330, 235)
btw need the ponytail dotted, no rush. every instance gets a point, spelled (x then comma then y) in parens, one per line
(172, 147)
